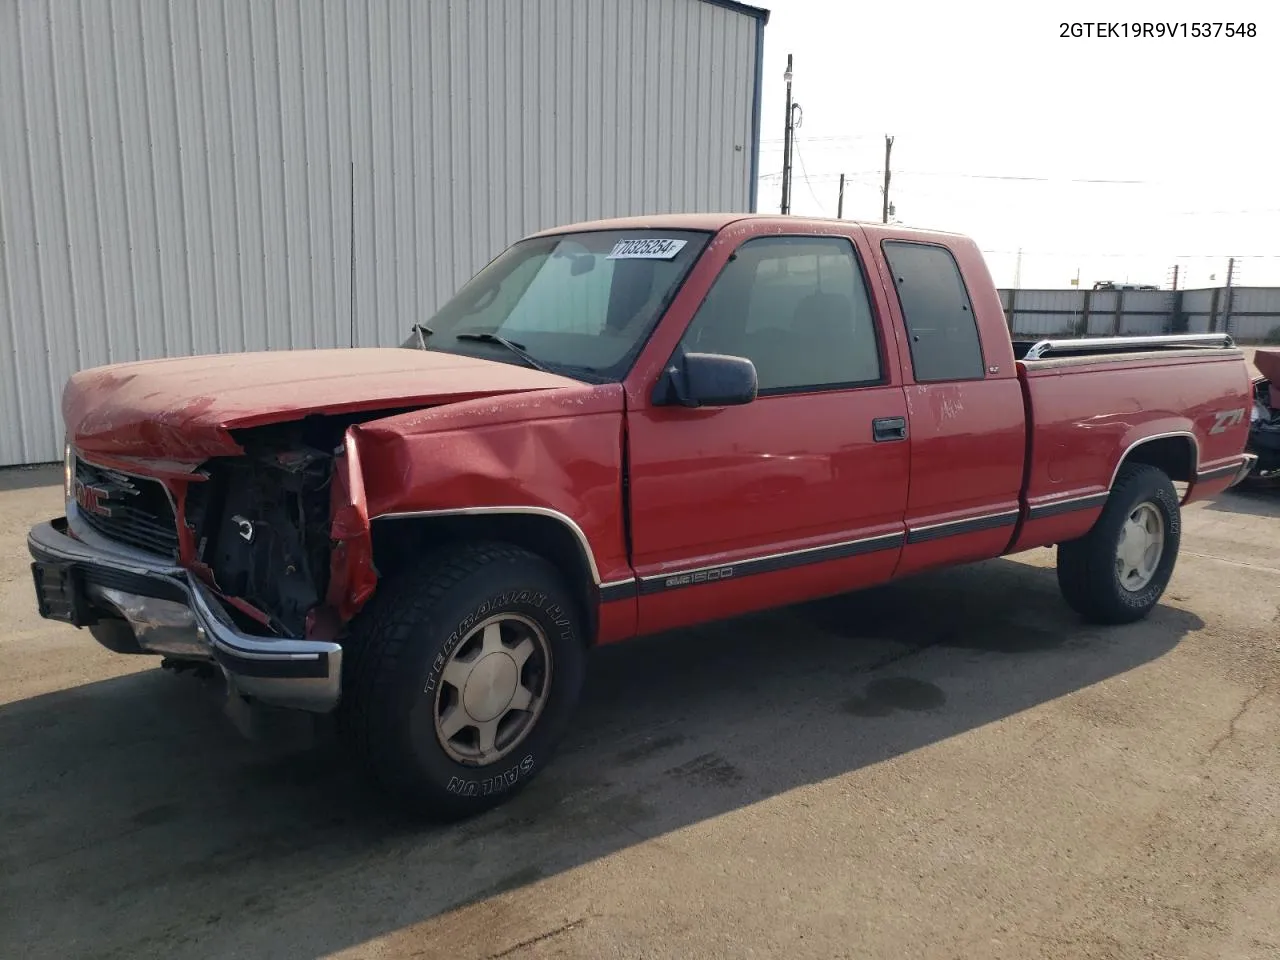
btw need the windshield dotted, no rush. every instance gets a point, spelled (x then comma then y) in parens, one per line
(581, 304)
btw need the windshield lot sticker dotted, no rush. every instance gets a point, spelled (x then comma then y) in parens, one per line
(650, 249)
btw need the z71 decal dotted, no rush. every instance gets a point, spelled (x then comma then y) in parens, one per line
(1224, 419)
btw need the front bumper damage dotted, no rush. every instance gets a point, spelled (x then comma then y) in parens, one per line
(160, 608)
(1264, 444)
(1247, 467)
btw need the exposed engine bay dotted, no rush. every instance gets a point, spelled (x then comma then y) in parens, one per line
(261, 527)
(1264, 417)
(261, 521)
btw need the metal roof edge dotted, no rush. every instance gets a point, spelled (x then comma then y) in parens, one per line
(757, 104)
(760, 13)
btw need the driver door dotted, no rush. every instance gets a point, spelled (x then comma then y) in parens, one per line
(803, 491)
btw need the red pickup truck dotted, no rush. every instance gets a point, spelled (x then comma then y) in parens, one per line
(615, 428)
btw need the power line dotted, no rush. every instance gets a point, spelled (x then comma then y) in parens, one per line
(823, 139)
(1008, 176)
(991, 176)
(828, 176)
(795, 144)
(1217, 213)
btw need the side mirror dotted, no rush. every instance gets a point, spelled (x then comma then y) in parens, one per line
(708, 380)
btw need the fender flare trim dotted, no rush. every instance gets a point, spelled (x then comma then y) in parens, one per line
(547, 512)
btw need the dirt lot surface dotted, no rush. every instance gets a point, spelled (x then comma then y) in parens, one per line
(950, 767)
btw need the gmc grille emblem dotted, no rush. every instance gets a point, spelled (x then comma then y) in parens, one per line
(91, 499)
(95, 496)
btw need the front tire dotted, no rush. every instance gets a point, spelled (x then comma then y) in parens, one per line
(465, 671)
(1118, 571)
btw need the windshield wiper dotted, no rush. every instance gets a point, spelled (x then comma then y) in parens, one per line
(422, 332)
(516, 348)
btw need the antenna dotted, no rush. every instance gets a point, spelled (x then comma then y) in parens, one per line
(352, 246)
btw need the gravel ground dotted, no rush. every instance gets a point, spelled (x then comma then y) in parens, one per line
(952, 766)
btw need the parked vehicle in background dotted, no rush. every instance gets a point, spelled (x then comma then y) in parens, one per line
(1112, 285)
(1264, 418)
(615, 428)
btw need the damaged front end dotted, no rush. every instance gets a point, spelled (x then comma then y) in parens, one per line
(1264, 425)
(282, 532)
(216, 508)
(260, 527)
(255, 562)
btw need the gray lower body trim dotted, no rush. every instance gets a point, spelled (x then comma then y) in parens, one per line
(956, 528)
(772, 563)
(1217, 473)
(1041, 510)
(660, 583)
(618, 590)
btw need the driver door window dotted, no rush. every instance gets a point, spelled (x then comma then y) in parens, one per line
(797, 307)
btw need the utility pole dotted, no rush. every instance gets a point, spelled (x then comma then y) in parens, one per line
(1177, 317)
(1017, 271)
(1231, 273)
(884, 210)
(840, 200)
(786, 145)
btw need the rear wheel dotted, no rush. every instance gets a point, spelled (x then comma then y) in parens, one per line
(1118, 571)
(464, 673)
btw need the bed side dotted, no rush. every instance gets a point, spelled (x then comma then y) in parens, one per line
(1183, 411)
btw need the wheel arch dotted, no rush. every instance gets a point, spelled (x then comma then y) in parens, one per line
(401, 538)
(1177, 453)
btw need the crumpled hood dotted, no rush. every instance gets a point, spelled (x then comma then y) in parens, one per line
(182, 409)
(1268, 364)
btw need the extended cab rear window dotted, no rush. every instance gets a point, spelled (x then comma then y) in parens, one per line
(937, 310)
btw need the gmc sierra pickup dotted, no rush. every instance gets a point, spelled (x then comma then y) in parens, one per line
(613, 429)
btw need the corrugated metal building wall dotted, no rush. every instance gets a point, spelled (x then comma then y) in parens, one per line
(198, 176)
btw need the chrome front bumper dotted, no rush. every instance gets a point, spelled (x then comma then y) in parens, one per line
(79, 579)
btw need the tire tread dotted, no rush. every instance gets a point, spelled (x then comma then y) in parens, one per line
(402, 609)
(1086, 576)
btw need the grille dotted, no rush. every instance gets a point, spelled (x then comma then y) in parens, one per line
(131, 510)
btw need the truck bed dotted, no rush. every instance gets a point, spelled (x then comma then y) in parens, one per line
(1117, 346)
(1089, 403)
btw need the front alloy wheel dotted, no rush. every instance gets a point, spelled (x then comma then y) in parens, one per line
(493, 689)
(465, 669)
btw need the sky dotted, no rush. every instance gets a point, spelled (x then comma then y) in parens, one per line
(1113, 159)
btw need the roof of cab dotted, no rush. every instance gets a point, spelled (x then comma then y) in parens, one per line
(714, 222)
(660, 221)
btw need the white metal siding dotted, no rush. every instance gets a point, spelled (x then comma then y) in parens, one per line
(180, 176)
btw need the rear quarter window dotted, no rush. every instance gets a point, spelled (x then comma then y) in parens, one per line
(938, 313)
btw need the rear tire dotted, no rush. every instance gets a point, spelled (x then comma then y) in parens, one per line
(464, 672)
(1118, 571)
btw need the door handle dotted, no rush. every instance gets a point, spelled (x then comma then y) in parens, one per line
(884, 429)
